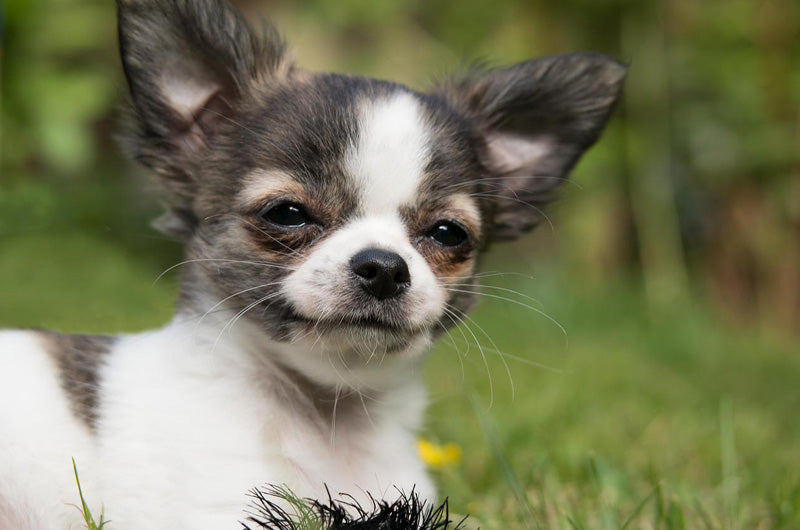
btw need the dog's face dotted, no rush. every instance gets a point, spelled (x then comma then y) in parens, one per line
(338, 213)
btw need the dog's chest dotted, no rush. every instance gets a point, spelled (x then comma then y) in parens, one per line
(212, 437)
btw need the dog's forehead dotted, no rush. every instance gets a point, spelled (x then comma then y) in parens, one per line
(391, 152)
(375, 146)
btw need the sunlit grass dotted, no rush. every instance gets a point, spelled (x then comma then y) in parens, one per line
(649, 418)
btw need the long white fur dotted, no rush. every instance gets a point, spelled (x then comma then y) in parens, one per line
(193, 416)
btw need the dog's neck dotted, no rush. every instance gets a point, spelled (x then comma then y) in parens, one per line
(326, 392)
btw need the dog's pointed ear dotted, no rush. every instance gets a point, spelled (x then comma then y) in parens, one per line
(187, 58)
(534, 120)
(188, 63)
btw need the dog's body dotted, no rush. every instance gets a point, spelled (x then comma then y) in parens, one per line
(332, 227)
(184, 430)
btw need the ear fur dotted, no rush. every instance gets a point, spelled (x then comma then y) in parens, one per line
(535, 120)
(188, 63)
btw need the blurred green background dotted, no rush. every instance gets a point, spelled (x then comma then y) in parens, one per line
(672, 399)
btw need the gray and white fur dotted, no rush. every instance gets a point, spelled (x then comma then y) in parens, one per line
(327, 219)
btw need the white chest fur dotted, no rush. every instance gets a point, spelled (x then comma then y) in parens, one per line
(185, 432)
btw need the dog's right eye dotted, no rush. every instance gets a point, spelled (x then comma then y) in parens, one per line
(287, 214)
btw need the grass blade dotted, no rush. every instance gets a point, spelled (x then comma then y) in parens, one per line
(501, 460)
(84, 508)
(638, 508)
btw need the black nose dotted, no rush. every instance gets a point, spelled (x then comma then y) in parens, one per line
(381, 273)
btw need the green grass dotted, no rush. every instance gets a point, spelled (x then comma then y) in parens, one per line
(86, 513)
(648, 418)
(641, 417)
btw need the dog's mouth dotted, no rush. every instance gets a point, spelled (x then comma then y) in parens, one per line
(373, 323)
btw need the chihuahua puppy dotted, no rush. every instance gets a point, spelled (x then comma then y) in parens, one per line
(326, 219)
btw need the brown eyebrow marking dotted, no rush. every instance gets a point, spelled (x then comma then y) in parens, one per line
(464, 210)
(458, 207)
(260, 185)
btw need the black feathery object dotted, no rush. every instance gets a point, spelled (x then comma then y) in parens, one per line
(408, 512)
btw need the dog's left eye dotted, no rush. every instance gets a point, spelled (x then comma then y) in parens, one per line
(286, 214)
(448, 234)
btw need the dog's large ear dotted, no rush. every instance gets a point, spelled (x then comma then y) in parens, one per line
(535, 119)
(188, 62)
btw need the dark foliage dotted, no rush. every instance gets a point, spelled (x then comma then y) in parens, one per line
(408, 512)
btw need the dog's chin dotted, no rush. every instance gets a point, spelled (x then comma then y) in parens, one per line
(363, 336)
(357, 352)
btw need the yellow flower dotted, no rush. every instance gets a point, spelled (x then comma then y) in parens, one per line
(438, 456)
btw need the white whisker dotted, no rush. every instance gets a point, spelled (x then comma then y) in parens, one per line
(262, 286)
(455, 346)
(225, 260)
(491, 341)
(233, 320)
(522, 304)
(520, 201)
(497, 288)
(483, 356)
(530, 362)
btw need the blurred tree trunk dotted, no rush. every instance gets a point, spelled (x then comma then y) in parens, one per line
(649, 154)
(753, 258)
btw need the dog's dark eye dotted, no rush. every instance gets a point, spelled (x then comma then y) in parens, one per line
(286, 214)
(448, 234)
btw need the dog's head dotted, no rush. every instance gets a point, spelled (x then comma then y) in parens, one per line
(338, 213)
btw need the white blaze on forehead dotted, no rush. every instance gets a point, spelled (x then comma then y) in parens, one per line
(392, 151)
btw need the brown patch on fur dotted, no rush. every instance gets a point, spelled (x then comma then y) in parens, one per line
(446, 263)
(282, 244)
(79, 358)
